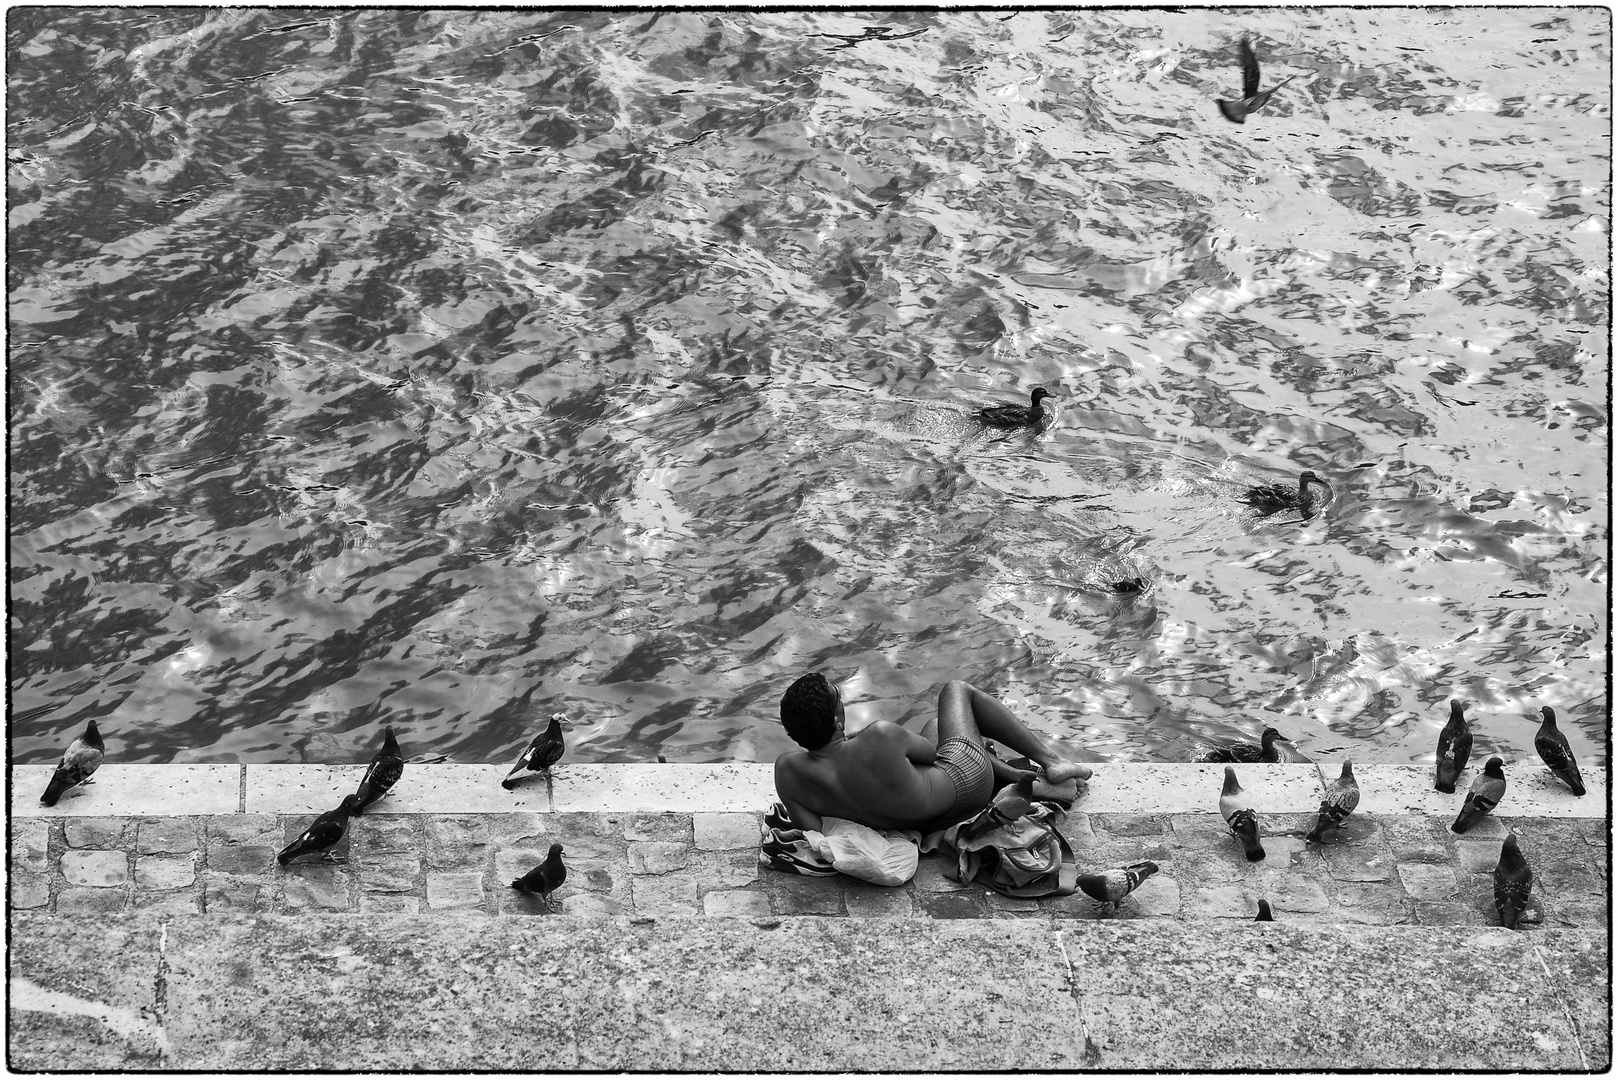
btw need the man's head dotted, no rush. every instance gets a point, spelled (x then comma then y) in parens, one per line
(811, 711)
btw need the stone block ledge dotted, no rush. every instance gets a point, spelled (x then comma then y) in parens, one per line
(1116, 788)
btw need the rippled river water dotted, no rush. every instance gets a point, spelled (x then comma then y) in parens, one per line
(445, 368)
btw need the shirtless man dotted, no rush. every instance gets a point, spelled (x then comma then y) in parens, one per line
(889, 778)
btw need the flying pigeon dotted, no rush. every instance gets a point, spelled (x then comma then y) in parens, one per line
(1342, 796)
(1242, 818)
(1556, 753)
(323, 834)
(1111, 886)
(1513, 880)
(1264, 913)
(1488, 788)
(81, 758)
(1454, 747)
(1252, 101)
(545, 878)
(385, 770)
(545, 751)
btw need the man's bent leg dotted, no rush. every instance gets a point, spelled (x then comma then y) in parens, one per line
(966, 712)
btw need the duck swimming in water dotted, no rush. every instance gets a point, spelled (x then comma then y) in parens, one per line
(1273, 498)
(1016, 416)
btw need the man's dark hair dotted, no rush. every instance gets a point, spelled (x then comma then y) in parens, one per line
(809, 711)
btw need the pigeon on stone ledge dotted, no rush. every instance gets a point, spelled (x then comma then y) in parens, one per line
(1556, 753)
(545, 751)
(81, 758)
(1264, 913)
(1111, 886)
(1454, 747)
(385, 770)
(1513, 880)
(1240, 816)
(545, 878)
(1342, 796)
(1488, 789)
(322, 834)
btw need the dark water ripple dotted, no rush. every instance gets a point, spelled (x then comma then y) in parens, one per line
(443, 368)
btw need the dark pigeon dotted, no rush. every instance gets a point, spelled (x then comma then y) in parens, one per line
(544, 751)
(545, 878)
(1252, 100)
(82, 757)
(1264, 913)
(1009, 803)
(1016, 416)
(1513, 880)
(385, 770)
(1240, 816)
(1342, 796)
(1454, 748)
(323, 834)
(1556, 753)
(1488, 788)
(1111, 886)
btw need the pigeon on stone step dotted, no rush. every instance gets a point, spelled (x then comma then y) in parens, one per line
(1252, 100)
(545, 878)
(1342, 796)
(1513, 880)
(1454, 747)
(1240, 816)
(1556, 753)
(1488, 788)
(386, 768)
(1264, 913)
(1009, 803)
(543, 752)
(323, 833)
(1111, 886)
(81, 758)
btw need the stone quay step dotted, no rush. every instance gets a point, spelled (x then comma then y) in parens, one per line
(688, 846)
(147, 992)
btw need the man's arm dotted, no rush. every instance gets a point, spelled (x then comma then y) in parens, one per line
(802, 816)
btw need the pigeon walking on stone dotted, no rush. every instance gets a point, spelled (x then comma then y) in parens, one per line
(385, 770)
(1513, 880)
(1342, 796)
(1488, 788)
(1111, 886)
(545, 878)
(1264, 913)
(1240, 816)
(544, 751)
(1454, 748)
(81, 758)
(1556, 753)
(323, 833)
(1252, 100)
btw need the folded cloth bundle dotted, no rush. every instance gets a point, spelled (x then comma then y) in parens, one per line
(846, 847)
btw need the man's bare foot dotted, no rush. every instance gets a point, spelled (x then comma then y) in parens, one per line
(1064, 770)
(1066, 793)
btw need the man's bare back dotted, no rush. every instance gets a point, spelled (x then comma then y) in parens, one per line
(888, 777)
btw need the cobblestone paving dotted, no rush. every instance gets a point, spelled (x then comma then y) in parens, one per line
(1385, 870)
